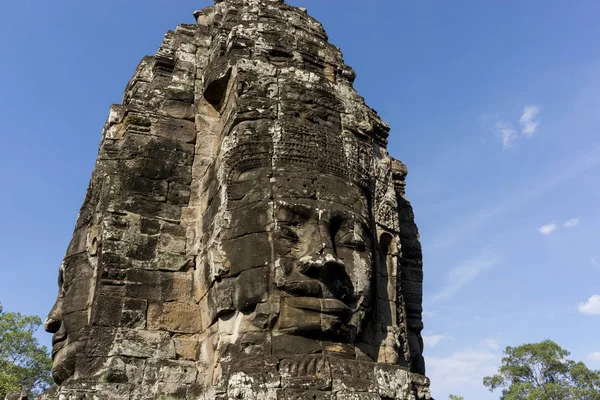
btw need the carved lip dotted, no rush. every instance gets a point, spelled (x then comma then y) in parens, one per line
(304, 288)
(58, 341)
(329, 306)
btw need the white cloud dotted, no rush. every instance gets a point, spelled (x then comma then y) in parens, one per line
(430, 341)
(491, 344)
(519, 197)
(594, 261)
(572, 223)
(428, 314)
(594, 356)
(507, 133)
(528, 121)
(462, 275)
(591, 307)
(548, 229)
(464, 368)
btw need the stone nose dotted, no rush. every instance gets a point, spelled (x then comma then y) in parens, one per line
(315, 265)
(332, 273)
(54, 320)
(52, 325)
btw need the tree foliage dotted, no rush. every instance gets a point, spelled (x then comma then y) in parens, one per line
(455, 397)
(542, 371)
(24, 365)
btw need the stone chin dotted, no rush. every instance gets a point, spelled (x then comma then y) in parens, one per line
(63, 361)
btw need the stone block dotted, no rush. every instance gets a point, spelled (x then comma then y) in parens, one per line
(292, 318)
(182, 372)
(178, 109)
(247, 252)
(251, 288)
(174, 317)
(258, 372)
(171, 391)
(310, 372)
(347, 395)
(294, 394)
(254, 394)
(172, 262)
(109, 311)
(142, 344)
(134, 313)
(392, 381)
(220, 297)
(353, 376)
(176, 286)
(186, 347)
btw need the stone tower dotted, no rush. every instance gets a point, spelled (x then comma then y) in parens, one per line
(245, 233)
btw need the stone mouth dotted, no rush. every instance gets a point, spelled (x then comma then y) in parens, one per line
(313, 294)
(58, 341)
(323, 305)
(304, 288)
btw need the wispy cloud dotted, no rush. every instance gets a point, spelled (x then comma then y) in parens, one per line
(591, 307)
(594, 356)
(491, 344)
(507, 133)
(548, 228)
(572, 223)
(464, 368)
(528, 120)
(462, 275)
(428, 314)
(576, 166)
(431, 341)
(594, 261)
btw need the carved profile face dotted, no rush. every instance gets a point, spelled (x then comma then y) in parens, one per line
(311, 236)
(69, 318)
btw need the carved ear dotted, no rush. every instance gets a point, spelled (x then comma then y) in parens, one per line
(216, 87)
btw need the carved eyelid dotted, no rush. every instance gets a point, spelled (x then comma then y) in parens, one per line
(61, 274)
(348, 238)
(61, 282)
(288, 232)
(295, 213)
(349, 226)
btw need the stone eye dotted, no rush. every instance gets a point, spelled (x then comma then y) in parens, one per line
(334, 227)
(288, 233)
(356, 244)
(61, 282)
(352, 240)
(293, 215)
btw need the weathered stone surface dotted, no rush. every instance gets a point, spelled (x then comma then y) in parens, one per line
(16, 396)
(245, 233)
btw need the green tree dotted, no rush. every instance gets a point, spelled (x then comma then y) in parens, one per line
(24, 365)
(542, 371)
(455, 397)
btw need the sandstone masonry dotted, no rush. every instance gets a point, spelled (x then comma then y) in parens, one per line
(245, 234)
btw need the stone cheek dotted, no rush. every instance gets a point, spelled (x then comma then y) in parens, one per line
(245, 233)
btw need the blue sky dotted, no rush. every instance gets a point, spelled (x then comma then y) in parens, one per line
(493, 107)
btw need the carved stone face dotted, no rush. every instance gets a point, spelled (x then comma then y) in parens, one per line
(324, 267)
(311, 234)
(69, 318)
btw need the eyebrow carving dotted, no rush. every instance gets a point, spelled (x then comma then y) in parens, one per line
(295, 213)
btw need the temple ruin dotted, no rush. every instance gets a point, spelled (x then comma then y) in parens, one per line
(245, 234)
